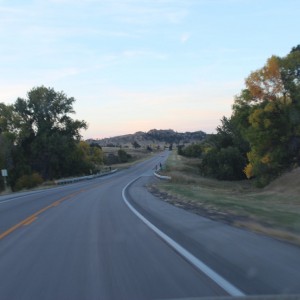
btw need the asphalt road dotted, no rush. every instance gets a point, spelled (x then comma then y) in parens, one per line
(81, 241)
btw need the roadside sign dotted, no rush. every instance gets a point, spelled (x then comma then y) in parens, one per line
(4, 172)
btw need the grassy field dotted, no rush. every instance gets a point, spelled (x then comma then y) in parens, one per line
(274, 210)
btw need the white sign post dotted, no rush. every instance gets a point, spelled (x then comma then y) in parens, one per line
(4, 174)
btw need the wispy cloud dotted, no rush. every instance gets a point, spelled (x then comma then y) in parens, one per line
(185, 37)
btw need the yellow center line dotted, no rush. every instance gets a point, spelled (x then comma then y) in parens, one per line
(56, 203)
(30, 221)
(33, 217)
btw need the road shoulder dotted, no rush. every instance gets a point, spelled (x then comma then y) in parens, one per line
(252, 262)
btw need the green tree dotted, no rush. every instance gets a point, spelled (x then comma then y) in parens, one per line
(123, 156)
(273, 116)
(290, 74)
(136, 145)
(8, 133)
(92, 156)
(193, 150)
(263, 132)
(48, 135)
(227, 155)
(38, 136)
(224, 164)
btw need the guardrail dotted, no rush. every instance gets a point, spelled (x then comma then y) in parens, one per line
(77, 179)
(161, 176)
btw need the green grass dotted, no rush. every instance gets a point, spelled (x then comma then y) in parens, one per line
(273, 210)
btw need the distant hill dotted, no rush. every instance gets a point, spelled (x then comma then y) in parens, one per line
(152, 137)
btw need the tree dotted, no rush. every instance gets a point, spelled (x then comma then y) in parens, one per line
(227, 156)
(47, 133)
(92, 155)
(136, 145)
(123, 156)
(265, 124)
(268, 136)
(272, 103)
(290, 74)
(193, 150)
(266, 83)
(8, 133)
(38, 137)
(224, 164)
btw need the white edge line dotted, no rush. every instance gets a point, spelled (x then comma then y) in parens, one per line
(7, 201)
(14, 197)
(223, 283)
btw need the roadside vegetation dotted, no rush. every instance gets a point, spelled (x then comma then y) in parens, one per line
(273, 210)
(41, 142)
(247, 173)
(261, 139)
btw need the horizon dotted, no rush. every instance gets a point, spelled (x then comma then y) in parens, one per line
(111, 137)
(134, 65)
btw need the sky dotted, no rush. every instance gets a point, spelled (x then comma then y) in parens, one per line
(136, 65)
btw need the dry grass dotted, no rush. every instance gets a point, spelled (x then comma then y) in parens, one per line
(274, 210)
(288, 184)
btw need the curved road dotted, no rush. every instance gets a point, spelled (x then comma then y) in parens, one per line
(81, 241)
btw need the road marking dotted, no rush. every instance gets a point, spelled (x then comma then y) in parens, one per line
(29, 221)
(15, 197)
(33, 217)
(222, 282)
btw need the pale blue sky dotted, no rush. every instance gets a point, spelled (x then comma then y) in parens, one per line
(142, 64)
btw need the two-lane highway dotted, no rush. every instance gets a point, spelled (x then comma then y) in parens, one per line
(82, 242)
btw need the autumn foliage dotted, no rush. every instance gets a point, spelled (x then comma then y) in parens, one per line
(265, 124)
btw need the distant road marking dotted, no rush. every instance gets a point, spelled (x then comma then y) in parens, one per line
(222, 282)
(33, 217)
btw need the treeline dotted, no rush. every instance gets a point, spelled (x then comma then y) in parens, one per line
(172, 137)
(261, 138)
(40, 141)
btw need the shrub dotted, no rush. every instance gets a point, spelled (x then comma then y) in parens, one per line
(28, 181)
(123, 156)
(111, 159)
(194, 150)
(225, 164)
